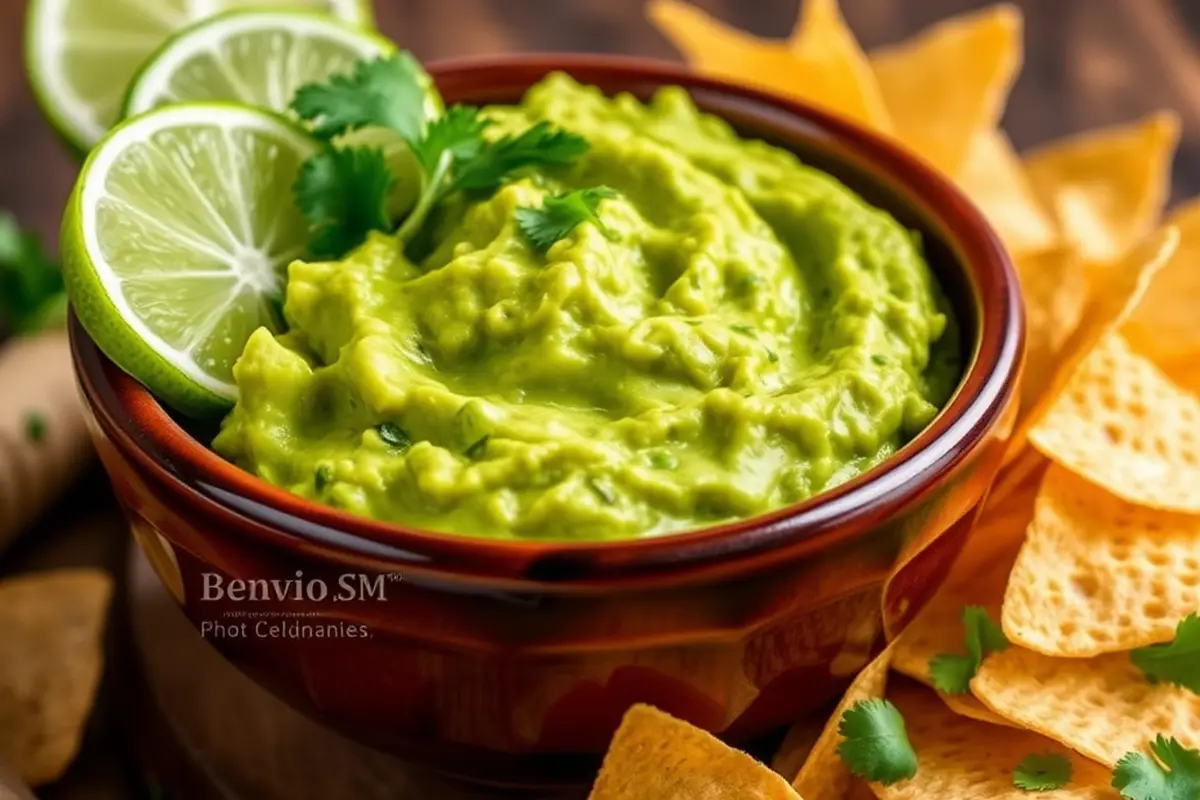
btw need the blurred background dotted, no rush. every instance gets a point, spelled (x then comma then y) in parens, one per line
(1089, 63)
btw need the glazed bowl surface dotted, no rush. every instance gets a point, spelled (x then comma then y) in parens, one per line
(511, 662)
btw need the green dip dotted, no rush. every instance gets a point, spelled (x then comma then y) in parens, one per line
(751, 332)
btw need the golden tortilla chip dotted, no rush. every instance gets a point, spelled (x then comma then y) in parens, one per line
(824, 775)
(1107, 187)
(654, 756)
(965, 759)
(1124, 426)
(1164, 326)
(51, 659)
(797, 745)
(1109, 305)
(822, 65)
(947, 86)
(994, 178)
(1100, 707)
(837, 74)
(1099, 575)
(1054, 283)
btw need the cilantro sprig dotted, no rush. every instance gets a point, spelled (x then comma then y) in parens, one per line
(952, 673)
(32, 295)
(1170, 772)
(342, 191)
(561, 214)
(875, 742)
(1043, 773)
(1176, 662)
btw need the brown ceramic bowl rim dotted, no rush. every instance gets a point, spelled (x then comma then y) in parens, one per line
(130, 414)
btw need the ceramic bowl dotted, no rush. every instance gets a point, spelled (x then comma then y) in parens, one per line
(511, 662)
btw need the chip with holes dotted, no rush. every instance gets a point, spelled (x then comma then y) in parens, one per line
(1124, 426)
(1101, 707)
(964, 759)
(1097, 574)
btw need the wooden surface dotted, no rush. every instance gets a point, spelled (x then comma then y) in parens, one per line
(1089, 63)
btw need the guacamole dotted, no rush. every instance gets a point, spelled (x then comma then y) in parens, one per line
(740, 333)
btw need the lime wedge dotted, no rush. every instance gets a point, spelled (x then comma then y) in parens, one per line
(176, 241)
(81, 54)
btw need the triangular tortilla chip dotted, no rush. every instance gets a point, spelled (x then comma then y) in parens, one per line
(822, 65)
(1099, 575)
(1107, 187)
(994, 178)
(1109, 305)
(1164, 326)
(655, 756)
(837, 76)
(824, 775)
(1100, 707)
(1124, 426)
(1054, 284)
(799, 742)
(51, 659)
(948, 85)
(964, 759)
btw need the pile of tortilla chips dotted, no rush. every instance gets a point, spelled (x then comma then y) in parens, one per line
(1088, 547)
(51, 659)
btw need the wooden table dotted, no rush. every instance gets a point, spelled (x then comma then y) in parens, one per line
(1089, 63)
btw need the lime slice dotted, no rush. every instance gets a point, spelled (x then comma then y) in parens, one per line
(259, 58)
(81, 54)
(176, 240)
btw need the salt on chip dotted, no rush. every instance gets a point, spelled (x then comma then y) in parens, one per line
(1108, 187)
(948, 85)
(1109, 305)
(964, 759)
(1164, 326)
(51, 659)
(822, 65)
(1054, 284)
(1100, 707)
(1099, 575)
(994, 178)
(655, 756)
(837, 74)
(1123, 425)
(824, 775)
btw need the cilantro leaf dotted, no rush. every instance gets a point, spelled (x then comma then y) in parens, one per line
(952, 674)
(538, 145)
(1043, 773)
(1177, 662)
(1173, 773)
(32, 295)
(343, 195)
(389, 91)
(561, 214)
(459, 131)
(875, 743)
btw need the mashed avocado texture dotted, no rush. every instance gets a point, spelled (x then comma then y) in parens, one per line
(746, 333)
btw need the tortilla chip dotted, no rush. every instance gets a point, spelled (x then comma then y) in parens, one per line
(823, 64)
(1101, 707)
(51, 627)
(1164, 326)
(797, 745)
(1110, 304)
(655, 756)
(1108, 187)
(947, 86)
(1054, 284)
(1099, 575)
(1026, 466)
(994, 178)
(964, 759)
(824, 775)
(837, 75)
(1124, 426)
